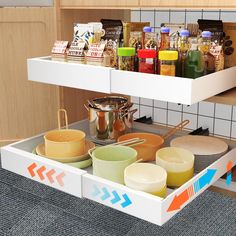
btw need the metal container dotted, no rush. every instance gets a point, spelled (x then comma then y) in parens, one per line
(112, 122)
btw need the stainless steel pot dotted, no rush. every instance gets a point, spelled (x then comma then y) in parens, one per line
(112, 122)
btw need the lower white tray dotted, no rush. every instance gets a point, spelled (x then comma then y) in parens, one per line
(19, 159)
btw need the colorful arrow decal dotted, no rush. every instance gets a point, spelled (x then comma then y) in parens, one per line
(229, 173)
(105, 195)
(204, 180)
(44, 174)
(183, 197)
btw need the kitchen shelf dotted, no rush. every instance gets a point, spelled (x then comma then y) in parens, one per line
(108, 80)
(18, 158)
(201, 4)
(227, 97)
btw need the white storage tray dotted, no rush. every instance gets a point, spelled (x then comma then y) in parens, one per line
(108, 80)
(18, 158)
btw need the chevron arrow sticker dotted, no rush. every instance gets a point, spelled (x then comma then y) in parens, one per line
(31, 169)
(127, 201)
(113, 197)
(105, 195)
(96, 191)
(44, 174)
(116, 197)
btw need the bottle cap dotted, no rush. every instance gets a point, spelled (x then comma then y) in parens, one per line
(126, 51)
(147, 53)
(147, 29)
(206, 34)
(168, 55)
(184, 33)
(165, 30)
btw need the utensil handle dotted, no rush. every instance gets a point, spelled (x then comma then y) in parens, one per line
(59, 118)
(86, 107)
(180, 126)
(130, 142)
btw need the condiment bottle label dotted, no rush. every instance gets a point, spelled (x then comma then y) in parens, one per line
(96, 50)
(60, 47)
(76, 49)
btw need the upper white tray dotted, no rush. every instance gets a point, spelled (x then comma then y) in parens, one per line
(108, 80)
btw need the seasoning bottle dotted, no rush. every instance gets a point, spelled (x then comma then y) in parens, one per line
(165, 38)
(150, 38)
(136, 42)
(167, 62)
(126, 58)
(194, 66)
(183, 47)
(204, 47)
(147, 60)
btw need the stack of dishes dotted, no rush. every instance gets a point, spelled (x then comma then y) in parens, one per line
(80, 161)
(205, 149)
(66, 145)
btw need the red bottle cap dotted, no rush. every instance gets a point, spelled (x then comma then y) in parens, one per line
(147, 53)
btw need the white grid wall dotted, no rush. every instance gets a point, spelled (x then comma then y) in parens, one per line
(219, 118)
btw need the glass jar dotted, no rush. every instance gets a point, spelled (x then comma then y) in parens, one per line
(126, 58)
(150, 38)
(165, 38)
(167, 62)
(147, 61)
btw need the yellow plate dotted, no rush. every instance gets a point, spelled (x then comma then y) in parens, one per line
(40, 150)
(80, 164)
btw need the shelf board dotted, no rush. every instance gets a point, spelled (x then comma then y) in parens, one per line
(228, 97)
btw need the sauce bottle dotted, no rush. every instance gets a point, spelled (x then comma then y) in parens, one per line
(183, 47)
(194, 66)
(204, 47)
(165, 38)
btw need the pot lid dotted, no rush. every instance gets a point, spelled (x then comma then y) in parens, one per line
(109, 103)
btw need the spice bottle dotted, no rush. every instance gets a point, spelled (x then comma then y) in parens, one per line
(183, 47)
(167, 62)
(147, 61)
(194, 66)
(204, 47)
(165, 38)
(126, 58)
(150, 38)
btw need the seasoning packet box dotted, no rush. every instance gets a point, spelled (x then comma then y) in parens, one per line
(59, 50)
(76, 52)
(83, 32)
(129, 27)
(97, 55)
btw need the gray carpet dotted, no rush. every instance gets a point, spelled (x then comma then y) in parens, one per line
(29, 208)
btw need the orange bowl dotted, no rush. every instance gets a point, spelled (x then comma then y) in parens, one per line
(147, 150)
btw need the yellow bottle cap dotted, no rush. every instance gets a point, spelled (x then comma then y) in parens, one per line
(168, 55)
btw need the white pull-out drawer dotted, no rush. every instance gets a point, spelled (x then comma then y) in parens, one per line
(19, 159)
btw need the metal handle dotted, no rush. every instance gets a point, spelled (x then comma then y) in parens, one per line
(59, 118)
(180, 126)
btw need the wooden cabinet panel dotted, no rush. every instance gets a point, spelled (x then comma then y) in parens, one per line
(98, 4)
(27, 108)
(188, 3)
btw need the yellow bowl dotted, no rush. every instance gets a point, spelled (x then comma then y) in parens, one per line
(146, 177)
(178, 163)
(64, 143)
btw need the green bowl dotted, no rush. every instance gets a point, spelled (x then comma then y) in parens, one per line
(109, 162)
